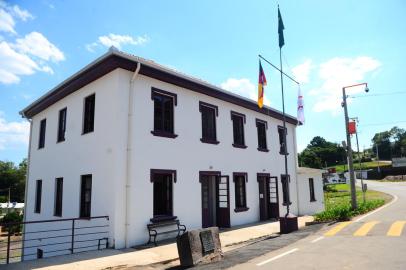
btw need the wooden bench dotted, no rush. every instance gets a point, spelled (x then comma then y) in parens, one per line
(153, 232)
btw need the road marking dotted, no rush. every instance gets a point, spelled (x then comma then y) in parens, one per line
(317, 239)
(396, 228)
(277, 257)
(365, 228)
(337, 228)
(379, 209)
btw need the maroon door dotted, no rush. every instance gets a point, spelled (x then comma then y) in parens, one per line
(215, 200)
(223, 201)
(263, 184)
(273, 197)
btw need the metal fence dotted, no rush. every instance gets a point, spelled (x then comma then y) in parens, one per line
(45, 238)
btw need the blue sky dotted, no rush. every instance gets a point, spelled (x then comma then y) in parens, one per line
(328, 44)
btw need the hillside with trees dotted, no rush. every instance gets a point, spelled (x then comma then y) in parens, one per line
(12, 176)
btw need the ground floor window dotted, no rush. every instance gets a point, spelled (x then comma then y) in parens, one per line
(240, 191)
(163, 193)
(311, 189)
(86, 196)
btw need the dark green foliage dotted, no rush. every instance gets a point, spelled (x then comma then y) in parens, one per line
(344, 212)
(391, 143)
(12, 176)
(320, 153)
(11, 218)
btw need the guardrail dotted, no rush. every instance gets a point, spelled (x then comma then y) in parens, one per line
(45, 238)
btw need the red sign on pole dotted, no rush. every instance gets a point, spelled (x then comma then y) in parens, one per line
(352, 128)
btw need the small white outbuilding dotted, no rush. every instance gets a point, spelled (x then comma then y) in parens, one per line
(310, 191)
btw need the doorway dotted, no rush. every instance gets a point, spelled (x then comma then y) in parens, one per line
(215, 200)
(268, 197)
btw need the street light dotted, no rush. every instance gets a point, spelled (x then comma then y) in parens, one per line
(349, 149)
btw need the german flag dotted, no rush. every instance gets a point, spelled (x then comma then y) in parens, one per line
(261, 84)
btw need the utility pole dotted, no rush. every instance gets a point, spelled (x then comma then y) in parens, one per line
(8, 204)
(377, 157)
(359, 160)
(349, 153)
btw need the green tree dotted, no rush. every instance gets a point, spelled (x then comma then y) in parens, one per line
(13, 177)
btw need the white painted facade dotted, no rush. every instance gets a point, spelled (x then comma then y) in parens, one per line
(306, 205)
(104, 154)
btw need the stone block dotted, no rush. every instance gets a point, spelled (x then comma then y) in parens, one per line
(199, 247)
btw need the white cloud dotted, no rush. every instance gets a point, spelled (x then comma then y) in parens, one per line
(21, 14)
(243, 87)
(335, 74)
(117, 41)
(15, 63)
(37, 45)
(8, 14)
(301, 72)
(6, 22)
(13, 134)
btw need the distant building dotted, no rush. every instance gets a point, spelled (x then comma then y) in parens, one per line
(310, 191)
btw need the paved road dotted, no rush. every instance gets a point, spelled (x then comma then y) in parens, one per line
(374, 241)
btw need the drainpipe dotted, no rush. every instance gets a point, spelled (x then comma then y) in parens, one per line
(26, 184)
(129, 148)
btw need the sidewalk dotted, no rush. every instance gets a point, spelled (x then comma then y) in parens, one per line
(96, 260)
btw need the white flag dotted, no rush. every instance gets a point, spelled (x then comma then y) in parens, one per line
(300, 109)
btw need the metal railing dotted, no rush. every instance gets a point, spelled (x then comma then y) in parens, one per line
(45, 238)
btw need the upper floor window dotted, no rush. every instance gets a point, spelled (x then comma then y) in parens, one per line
(162, 193)
(311, 189)
(240, 192)
(62, 125)
(238, 129)
(38, 196)
(209, 113)
(86, 196)
(164, 103)
(88, 117)
(58, 197)
(261, 131)
(42, 129)
(282, 142)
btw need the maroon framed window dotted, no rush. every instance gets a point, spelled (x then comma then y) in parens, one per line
(62, 125)
(209, 113)
(262, 126)
(164, 103)
(38, 196)
(86, 196)
(58, 197)
(282, 142)
(42, 130)
(238, 120)
(240, 191)
(162, 193)
(88, 117)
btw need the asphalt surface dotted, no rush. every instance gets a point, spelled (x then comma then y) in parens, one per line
(373, 241)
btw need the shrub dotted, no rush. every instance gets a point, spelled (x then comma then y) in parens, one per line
(13, 217)
(344, 212)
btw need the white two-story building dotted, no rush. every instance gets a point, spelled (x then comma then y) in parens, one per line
(133, 140)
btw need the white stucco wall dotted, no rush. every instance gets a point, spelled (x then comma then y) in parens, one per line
(307, 207)
(100, 153)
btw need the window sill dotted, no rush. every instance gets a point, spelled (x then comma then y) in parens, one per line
(239, 146)
(88, 132)
(282, 153)
(263, 149)
(60, 141)
(241, 209)
(284, 204)
(209, 141)
(164, 134)
(85, 218)
(313, 200)
(158, 219)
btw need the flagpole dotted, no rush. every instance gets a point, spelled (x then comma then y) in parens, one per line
(286, 183)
